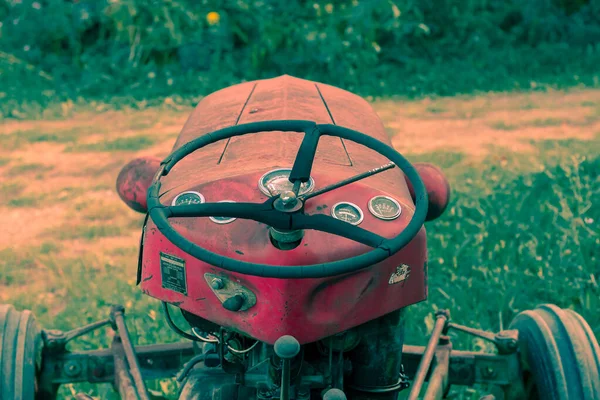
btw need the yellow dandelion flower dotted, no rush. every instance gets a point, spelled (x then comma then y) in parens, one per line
(329, 8)
(213, 18)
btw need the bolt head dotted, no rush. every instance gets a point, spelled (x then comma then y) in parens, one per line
(217, 284)
(72, 368)
(288, 198)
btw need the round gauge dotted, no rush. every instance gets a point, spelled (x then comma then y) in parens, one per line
(188, 198)
(384, 207)
(347, 212)
(276, 182)
(223, 220)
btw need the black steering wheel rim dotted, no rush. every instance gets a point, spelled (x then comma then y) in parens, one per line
(300, 172)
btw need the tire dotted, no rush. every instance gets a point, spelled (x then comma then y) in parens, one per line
(560, 356)
(20, 354)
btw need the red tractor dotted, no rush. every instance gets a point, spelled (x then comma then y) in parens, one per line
(290, 235)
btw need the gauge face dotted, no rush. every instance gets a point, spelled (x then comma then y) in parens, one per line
(347, 212)
(223, 220)
(384, 207)
(188, 198)
(276, 182)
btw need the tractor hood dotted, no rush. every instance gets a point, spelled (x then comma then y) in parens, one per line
(247, 169)
(238, 169)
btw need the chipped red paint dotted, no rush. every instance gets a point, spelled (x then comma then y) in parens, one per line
(309, 309)
(134, 180)
(438, 189)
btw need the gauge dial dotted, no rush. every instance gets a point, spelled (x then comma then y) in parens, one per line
(223, 220)
(347, 212)
(188, 198)
(276, 182)
(384, 207)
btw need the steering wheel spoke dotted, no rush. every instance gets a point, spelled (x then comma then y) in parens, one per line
(260, 212)
(306, 155)
(325, 223)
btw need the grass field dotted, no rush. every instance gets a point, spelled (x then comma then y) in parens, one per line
(522, 228)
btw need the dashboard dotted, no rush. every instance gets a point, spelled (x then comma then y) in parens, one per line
(276, 181)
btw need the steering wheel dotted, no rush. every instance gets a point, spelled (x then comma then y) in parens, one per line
(280, 217)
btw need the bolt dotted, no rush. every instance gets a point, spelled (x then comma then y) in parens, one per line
(442, 313)
(288, 198)
(72, 368)
(217, 284)
(489, 372)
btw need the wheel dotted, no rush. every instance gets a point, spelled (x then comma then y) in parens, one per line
(560, 356)
(20, 354)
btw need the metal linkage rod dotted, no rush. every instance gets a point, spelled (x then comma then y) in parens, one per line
(348, 181)
(286, 348)
(134, 366)
(440, 324)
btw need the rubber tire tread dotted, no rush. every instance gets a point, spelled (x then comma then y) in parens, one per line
(20, 349)
(561, 352)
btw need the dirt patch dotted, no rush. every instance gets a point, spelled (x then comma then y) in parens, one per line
(77, 248)
(21, 226)
(475, 125)
(475, 137)
(115, 120)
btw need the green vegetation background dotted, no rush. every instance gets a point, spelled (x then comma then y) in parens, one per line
(132, 51)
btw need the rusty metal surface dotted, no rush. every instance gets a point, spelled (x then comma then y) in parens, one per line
(97, 366)
(377, 359)
(284, 97)
(117, 317)
(133, 182)
(442, 318)
(468, 368)
(165, 360)
(122, 379)
(438, 382)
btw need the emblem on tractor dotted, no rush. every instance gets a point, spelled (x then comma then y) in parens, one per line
(402, 273)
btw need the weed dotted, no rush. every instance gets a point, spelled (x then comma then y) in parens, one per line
(21, 169)
(501, 125)
(545, 122)
(132, 143)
